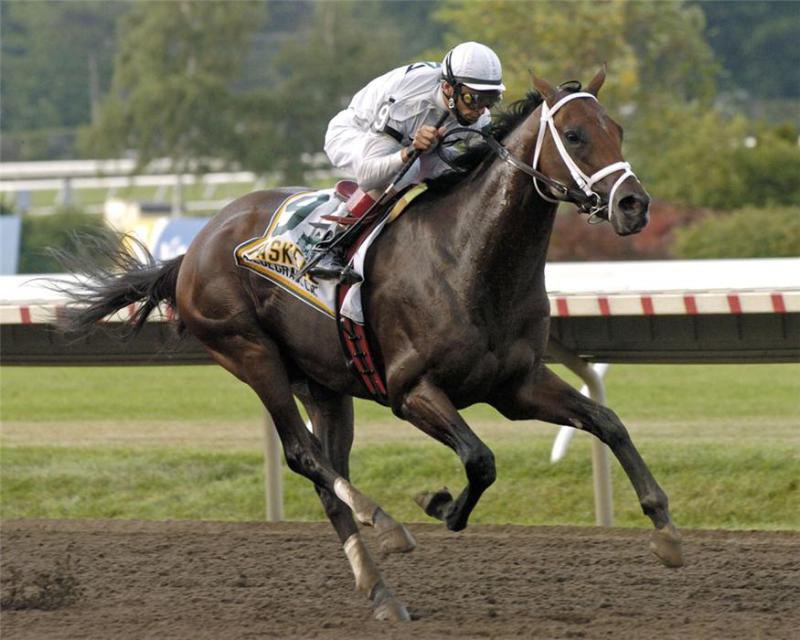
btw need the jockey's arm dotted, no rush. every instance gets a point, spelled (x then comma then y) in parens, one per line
(382, 160)
(384, 156)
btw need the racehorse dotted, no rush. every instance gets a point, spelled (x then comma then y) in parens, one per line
(456, 300)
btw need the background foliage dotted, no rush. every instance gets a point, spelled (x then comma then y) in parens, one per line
(172, 91)
(639, 40)
(56, 63)
(707, 91)
(315, 73)
(41, 233)
(746, 233)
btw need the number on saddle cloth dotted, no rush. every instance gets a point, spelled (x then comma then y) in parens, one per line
(301, 213)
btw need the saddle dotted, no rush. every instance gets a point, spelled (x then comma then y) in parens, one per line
(357, 202)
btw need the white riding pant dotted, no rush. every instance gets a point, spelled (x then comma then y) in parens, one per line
(344, 143)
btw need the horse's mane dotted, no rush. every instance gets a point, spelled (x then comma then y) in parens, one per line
(479, 154)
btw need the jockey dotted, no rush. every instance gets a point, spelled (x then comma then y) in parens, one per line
(394, 114)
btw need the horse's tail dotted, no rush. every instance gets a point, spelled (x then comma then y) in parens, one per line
(115, 271)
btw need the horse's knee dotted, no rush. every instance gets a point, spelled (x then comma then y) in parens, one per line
(301, 459)
(480, 466)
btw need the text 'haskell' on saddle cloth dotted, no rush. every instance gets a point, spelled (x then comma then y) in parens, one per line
(280, 253)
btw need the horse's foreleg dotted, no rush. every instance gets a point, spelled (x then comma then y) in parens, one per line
(544, 396)
(259, 363)
(427, 407)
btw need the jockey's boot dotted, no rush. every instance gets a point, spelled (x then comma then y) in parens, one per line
(334, 267)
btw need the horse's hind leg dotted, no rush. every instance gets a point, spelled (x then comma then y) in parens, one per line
(332, 420)
(258, 363)
(544, 396)
(331, 417)
(428, 408)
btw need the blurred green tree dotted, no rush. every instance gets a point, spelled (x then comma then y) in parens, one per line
(746, 233)
(55, 65)
(316, 72)
(696, 156)
(769, 172)
(683, 154)
(757, 42)
(172, 93)
(656, 51)
(56, 61)
(54, 231)
(661, 87)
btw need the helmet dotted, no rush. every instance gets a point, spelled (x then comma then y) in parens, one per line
(474, 65)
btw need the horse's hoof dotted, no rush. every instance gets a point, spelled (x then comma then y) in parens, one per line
(456, 523)
(387, 607)
(435, 503)
(396, 539)
(665, 543)
(390, 608)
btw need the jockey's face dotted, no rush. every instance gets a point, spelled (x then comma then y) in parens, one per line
(466, 113)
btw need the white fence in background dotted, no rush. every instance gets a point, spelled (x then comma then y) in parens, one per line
(19, 180)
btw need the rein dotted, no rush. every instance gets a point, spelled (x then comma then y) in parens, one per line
(587, 200)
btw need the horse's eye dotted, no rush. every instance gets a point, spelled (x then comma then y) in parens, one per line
(573, 137)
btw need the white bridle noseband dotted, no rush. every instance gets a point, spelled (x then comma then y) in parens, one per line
(583, 181)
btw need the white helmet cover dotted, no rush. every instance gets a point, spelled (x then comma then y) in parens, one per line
(474, 65)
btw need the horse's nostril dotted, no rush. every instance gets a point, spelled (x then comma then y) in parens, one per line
(634, 203)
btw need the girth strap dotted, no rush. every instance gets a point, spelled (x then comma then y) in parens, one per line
(356, 346)
(360, 359)
(354, 337)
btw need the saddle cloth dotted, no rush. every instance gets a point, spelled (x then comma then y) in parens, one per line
(295, 227)
(280, 252)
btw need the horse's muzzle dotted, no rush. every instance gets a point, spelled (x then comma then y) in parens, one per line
(631, 213)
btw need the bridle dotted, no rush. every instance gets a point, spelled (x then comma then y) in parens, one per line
(584, 196)
(584, 182)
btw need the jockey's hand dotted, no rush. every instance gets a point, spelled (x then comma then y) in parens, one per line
(425, 138)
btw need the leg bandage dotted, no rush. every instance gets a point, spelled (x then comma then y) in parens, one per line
(364, 568)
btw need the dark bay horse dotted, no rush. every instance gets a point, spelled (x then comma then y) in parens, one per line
(457, 303)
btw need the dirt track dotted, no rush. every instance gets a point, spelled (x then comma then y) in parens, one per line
(120, 579)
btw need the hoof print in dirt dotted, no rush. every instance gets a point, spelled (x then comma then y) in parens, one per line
(45, 591)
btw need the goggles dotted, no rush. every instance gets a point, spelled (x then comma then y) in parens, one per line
(479, 99)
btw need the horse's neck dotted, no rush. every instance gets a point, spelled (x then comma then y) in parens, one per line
(505, 241)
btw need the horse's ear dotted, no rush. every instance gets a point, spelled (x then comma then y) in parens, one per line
(597, 81)
(543, 86)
